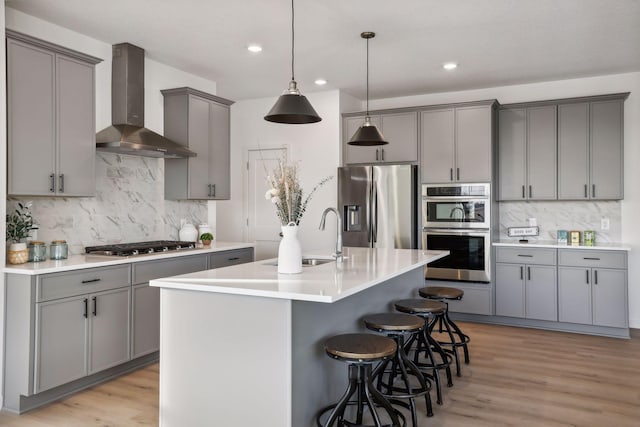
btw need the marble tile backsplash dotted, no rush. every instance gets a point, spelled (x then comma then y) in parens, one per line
(561, 215)
(129, 206)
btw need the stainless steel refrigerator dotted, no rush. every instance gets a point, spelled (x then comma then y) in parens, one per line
(378, 206)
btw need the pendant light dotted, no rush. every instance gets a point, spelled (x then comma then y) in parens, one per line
(368, 134)
(292, 107)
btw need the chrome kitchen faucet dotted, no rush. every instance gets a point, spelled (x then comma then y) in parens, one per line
(339, 231)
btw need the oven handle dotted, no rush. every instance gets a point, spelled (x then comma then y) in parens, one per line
(480, 232)
(455, 199)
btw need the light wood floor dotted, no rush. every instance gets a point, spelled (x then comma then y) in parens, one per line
(517, 377)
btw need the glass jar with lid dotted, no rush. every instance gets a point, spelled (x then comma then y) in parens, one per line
(58, 249)
(37, 251)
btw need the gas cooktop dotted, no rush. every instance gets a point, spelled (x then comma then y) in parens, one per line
(141, 248)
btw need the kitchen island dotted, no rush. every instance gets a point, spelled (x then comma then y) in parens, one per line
(243, 345)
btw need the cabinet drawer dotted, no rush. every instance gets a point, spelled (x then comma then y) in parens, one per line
(526, 255)
(227, 258)
(592, 258)
(62, 285)
(150, 270)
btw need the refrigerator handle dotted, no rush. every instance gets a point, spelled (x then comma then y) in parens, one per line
(369, 204)
(374, 213)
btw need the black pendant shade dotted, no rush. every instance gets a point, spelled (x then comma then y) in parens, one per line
(292, 109)
(367, 134)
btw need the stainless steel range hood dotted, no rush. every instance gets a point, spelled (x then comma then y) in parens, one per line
(128, 135)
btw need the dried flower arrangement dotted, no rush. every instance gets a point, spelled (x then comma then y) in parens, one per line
(286, 193)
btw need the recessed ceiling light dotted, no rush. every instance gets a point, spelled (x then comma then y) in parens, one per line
(449, 66)
(255, 48)
(320, 82)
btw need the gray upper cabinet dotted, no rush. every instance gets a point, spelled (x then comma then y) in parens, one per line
(590, 149)
(399, 129)
(457, 144)
(51, 119)
(199, 121)
(527, 153)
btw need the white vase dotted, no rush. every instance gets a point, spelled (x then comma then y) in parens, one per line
(188, 233)
(290, 252)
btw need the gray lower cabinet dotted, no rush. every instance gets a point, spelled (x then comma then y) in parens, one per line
(145, 320)
(592, 288)
(457, 143)
(590, 150)
(526, 290)
(51, 119)
(232, 257)
(200, 121)
(82, 324)
(399, 129)
(527, 153)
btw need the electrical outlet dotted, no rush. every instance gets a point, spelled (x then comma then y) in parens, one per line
(604, 224)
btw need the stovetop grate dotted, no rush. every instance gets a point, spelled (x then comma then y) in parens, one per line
(139, 248)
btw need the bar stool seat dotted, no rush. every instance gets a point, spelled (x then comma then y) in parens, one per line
(404, 381)
(423, 344)
(445, 325)
(361, 351)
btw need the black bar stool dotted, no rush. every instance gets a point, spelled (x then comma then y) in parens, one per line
(456, 337)
(361, 351)
(425, 344)
(397, 326)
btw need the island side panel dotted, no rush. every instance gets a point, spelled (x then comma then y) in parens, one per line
(317, 379)
(225, 360)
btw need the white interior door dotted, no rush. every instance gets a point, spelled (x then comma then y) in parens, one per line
(262, 222)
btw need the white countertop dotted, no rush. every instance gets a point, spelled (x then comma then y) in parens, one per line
(77, 262)
(553, 244)
(330, 282)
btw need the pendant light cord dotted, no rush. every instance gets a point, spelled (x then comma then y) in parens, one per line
(367, 77)
(293, 37)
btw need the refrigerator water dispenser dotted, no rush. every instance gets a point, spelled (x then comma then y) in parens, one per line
(352, 216)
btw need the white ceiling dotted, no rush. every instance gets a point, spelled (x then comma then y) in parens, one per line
(496, 42)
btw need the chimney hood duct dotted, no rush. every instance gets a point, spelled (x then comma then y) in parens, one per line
(128, 135)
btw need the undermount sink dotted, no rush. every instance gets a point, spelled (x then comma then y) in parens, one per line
(306, 261)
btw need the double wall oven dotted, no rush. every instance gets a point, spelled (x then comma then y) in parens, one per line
(457, 218)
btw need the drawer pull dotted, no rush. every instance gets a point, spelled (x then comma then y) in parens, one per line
(91, 280)
(235, 258)
(95, 306)
(591, 258)
(86, 307)
(525, 256)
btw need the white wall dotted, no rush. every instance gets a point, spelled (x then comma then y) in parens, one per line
(314, 146)
(629, 82)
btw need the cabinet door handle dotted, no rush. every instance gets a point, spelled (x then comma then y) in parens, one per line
(523, 195)
(86, 307)
(525, 256)
(595, 277)
(521, 272)
(52, 186)
(382, 153)
(587, 277)
(209, 187)
(450, 174)
(213, 190)
(528, 273)
(62, 183)
(593, 190)
(530, 191)
(91, 280)
(586, 191)
(95, 306)
(377, 154)
(458, 174)
(591, 258)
